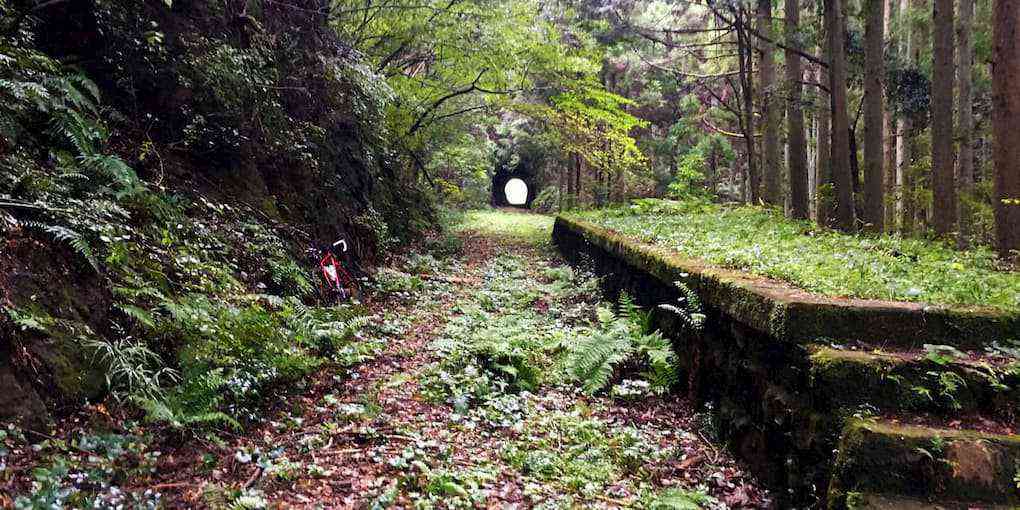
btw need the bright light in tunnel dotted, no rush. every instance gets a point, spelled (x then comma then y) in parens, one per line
(516, 192)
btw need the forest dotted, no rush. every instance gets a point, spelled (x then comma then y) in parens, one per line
(664, 254)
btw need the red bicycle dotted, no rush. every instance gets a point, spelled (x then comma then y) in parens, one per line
(336, 285)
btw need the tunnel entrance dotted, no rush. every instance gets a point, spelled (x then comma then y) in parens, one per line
(512, 188)
(516, 192)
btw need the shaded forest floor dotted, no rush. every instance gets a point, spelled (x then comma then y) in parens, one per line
(427, 421)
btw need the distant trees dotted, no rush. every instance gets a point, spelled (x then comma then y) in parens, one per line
(908, 74)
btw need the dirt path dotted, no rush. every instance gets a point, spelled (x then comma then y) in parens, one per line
(468, 405)
(382, 438)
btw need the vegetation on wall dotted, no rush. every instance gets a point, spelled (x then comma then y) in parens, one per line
(831, 263)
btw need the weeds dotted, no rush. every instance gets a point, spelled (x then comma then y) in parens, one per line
(87, 472)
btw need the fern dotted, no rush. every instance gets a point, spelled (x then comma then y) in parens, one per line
(74, 239)
(623, 337)
(7, 222)
(594, 359)
(78, 131)
(159, 411)
(661, 359)
(688, 310)
(115, 169)
(641, 319)
(142, 316)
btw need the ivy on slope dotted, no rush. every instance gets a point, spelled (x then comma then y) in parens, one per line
(205, 296)
(197, 302)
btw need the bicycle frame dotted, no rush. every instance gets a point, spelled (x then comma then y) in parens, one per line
(336, 281)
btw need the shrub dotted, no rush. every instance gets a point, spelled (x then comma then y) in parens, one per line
(547, 201)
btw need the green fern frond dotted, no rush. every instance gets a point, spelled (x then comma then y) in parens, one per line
(593, 360)
(140, 315)
(63, 234)
(125, 179)
(81, 82)
(76, 130)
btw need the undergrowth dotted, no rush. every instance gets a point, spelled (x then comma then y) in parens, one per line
(521, 331)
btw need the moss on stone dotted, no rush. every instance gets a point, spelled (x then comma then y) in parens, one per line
(780, 394)
(76, 375)
(792, 315)
(892, 383)
(885, 458)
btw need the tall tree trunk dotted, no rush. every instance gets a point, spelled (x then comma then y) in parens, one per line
(572, 184)
(842, 177)
(770, 108)
(562, 186)
(811, 129)
(1005, 118)
(796, 151)
(855, 173)
(889, 160)
(906, 181)
(965, 122)
(577, 181)
(745, 53)
(874, 123)
(823, 166)
(943, 182)
(713, 168)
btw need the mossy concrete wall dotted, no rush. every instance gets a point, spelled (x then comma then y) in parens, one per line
(779, 397)
(792, 315)
(918, 462)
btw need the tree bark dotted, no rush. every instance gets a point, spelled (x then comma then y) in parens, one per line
(840, 149)
(874, 123)
(965, 119)
(747, 88)
(943, 182)
(889, 141)
(796, 151)
(771, 164)
(1005, 118)
(823, 166)
(906, 181)
(571, 184)
(577, 181)
(563, 191)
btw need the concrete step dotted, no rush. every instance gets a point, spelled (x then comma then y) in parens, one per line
(868, 501)
(894, 382)
(883, 464)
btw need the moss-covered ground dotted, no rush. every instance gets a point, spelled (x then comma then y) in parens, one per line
(765, 243)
